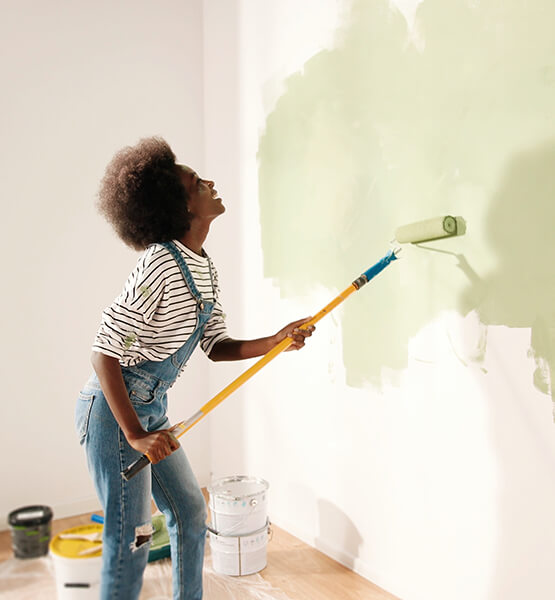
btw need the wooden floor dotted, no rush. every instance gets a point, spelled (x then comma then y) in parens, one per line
(295, 568)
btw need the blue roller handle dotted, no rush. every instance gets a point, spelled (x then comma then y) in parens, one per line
(380, 265)
(375, 269)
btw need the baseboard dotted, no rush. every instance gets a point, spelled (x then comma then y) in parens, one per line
(61, 511)
(352, 563)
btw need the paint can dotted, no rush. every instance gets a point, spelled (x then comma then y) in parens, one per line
(238, 504)
(239, 554)
(78, 562)
(31, 527)
(239, 524)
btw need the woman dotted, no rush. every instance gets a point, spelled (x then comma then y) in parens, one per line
(168, 306)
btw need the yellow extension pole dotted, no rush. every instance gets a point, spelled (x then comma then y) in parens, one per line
(182, 427)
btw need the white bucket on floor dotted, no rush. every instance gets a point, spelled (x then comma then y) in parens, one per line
(77, 564)
(238, 505)
(239, 524)
(241, 554)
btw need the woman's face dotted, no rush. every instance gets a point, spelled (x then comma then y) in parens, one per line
(204, 202)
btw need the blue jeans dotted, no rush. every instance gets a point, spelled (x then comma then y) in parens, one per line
(127, 504)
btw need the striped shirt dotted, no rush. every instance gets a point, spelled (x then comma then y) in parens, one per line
(155, 314)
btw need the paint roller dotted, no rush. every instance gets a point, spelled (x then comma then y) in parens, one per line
(431, 229)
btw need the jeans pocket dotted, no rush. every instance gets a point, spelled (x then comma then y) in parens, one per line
(82, 415)
(140, 396)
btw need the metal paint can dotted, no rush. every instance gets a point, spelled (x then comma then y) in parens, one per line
(239, 554)
(239, 524)
(238, 504)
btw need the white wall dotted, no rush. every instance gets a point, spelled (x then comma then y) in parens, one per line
(225, 244)
(436, 481)
(433, 480)
(79, 81)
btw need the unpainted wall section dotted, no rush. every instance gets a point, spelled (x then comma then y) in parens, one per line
(79, 81)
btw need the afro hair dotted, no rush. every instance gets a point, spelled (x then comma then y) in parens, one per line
(142, 195)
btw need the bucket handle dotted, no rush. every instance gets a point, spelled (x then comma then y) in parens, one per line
(223, 534)
(253, 503)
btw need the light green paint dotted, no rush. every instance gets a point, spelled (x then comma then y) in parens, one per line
(145, 291)
(376, 133)
(129, 340)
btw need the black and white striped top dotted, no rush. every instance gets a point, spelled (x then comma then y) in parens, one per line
(155, 313)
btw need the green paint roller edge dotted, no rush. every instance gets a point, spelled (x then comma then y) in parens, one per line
(431, 229)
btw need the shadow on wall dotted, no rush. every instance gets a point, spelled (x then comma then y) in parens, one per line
(337, 531)
(520, 291)
(398, 124)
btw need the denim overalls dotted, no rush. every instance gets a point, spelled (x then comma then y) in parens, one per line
(127, 505)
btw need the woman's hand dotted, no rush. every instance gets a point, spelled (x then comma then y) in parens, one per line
(155, 444)
(294, 331)
(230, 349)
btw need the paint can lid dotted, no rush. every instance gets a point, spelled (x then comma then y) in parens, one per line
(78, 547)
(30, 516)
(238, 487)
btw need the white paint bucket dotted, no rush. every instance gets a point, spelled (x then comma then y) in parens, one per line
(77, 564)
(239, 555)
(239, 531)
(238, 505)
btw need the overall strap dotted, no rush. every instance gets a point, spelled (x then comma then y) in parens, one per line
(174, 251)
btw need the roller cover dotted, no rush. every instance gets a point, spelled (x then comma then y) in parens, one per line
(431, 229)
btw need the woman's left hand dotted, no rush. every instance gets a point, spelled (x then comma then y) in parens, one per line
(294, 331)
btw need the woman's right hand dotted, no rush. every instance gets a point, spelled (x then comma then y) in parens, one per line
(156, 445)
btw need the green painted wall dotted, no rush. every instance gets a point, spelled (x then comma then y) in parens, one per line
(380, 131)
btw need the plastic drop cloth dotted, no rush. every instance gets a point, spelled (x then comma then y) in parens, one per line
(34, 578)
